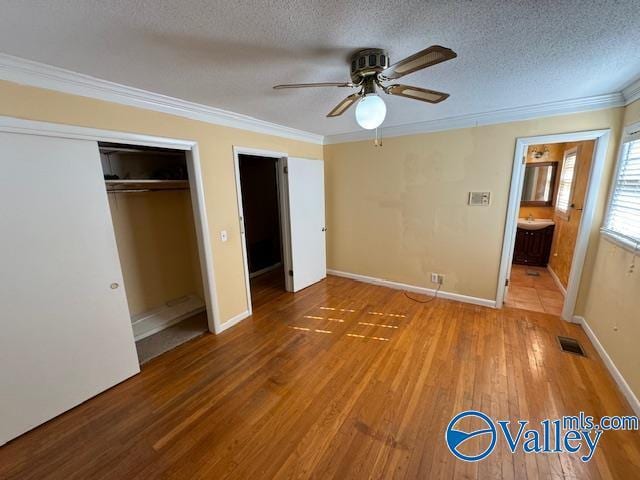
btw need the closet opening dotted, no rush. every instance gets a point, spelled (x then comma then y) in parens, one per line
(152, 212)
(262, 222)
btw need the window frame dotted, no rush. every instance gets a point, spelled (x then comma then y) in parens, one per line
(565, 214)
(630, 133)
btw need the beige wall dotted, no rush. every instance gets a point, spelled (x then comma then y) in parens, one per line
(400, 212)
(612, 306)
(215, 146)
(156, 238)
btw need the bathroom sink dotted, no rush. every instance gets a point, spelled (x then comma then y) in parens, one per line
(537, 224)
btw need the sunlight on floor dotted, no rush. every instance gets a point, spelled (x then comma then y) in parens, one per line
(377, 325)
(304, 329)
(387, 314)
(313, 317)
(341, 320)
(337, 309)
(368, 337)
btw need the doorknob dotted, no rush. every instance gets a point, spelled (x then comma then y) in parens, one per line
(114, 285)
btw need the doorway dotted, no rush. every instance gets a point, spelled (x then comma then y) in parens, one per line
(261, 214)
(282, 222)
(554, 187)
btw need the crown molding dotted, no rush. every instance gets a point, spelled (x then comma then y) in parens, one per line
(36, 74)
(505, 115)
(631, 92)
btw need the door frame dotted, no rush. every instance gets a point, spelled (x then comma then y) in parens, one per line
(283, 209)
(47, 129)
(602, 138)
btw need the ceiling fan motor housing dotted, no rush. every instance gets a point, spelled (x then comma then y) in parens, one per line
(367, 63)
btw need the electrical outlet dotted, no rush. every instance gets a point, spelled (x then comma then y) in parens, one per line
(437, 278)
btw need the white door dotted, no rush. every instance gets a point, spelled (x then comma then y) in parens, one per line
(66, 332)
(305, 187)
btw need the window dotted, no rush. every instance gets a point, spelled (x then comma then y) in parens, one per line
(565, 185)
(622, 221)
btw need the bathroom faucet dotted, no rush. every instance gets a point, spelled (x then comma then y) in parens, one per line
(530, 217)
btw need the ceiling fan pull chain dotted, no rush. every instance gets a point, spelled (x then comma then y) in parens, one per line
(378, 141)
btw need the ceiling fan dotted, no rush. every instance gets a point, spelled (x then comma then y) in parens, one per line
(370, 70)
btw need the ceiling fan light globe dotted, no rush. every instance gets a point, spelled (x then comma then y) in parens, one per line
(370, 112)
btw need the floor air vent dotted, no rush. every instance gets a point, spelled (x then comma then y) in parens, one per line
(571, 345)
(533, 273)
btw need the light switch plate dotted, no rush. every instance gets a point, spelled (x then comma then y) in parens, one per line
(479, 199)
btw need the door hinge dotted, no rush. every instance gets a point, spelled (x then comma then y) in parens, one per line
(291, 273)
(286, 169)
(506, 282)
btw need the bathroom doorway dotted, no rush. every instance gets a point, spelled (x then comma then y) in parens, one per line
(550, 215)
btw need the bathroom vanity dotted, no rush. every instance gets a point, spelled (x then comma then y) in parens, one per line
(533, 242)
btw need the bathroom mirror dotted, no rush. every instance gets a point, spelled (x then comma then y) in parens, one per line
(539, 184)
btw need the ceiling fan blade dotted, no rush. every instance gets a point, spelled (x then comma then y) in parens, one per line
(311, 85)
(423, 59)
(416, 93)
(344, 105)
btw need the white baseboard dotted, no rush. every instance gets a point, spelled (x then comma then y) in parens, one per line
(262, 271)
(153, 321)
(412, 288)
(234, 320)
(613, 370)
(557, 280)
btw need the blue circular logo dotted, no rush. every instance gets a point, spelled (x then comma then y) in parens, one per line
(456, 438)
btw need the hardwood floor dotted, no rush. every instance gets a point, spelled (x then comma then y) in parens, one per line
(342, 380)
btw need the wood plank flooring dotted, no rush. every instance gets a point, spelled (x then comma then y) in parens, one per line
(342, 380)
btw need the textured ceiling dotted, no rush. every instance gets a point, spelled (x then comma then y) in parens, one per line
(229, 54)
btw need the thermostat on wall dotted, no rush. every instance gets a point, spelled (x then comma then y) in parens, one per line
(479, 199)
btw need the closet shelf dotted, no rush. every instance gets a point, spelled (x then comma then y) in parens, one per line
(141, 185)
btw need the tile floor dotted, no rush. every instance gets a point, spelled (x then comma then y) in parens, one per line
(537, 293)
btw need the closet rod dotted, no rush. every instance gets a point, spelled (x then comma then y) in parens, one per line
(131, 190)
(139, 190)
